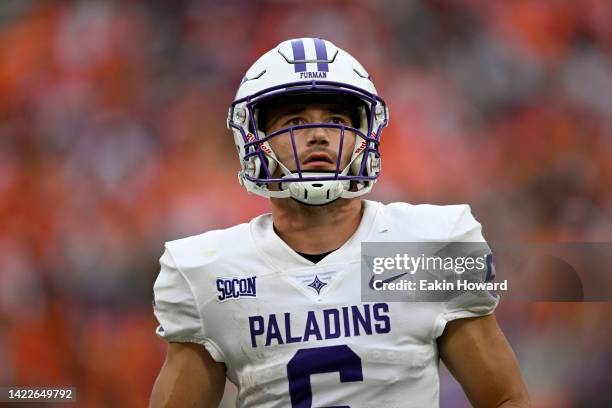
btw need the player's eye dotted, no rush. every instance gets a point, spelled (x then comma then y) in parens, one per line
(294, 121)
(338, 120)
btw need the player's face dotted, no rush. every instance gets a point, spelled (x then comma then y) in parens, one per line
(317, 148)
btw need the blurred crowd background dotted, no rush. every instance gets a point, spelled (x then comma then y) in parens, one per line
(113, 140)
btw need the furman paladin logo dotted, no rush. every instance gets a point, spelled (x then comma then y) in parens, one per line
(235, 288)
(317, 284)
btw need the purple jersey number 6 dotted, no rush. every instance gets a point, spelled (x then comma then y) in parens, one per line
(318, 360)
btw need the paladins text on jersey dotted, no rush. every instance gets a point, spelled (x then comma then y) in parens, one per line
(332, 323)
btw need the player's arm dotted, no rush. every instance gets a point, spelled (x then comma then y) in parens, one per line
(477, 354)
(189, 378)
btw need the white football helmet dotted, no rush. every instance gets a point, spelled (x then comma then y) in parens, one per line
(298, 67)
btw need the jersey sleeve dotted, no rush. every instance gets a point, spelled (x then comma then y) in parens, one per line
(468, 241)
(176, 308)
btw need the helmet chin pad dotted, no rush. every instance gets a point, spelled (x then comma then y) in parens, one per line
(315, 192)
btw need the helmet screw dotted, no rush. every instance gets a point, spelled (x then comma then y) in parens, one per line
(374, 165)
(240, 115)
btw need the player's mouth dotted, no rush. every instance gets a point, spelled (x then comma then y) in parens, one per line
(318, 160)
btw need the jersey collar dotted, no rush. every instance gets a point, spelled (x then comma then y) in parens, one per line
(282, 257)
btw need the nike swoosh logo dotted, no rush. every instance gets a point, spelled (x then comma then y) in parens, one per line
(391, 279)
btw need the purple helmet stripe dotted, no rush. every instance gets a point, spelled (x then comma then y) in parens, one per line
(321, 54)
(299, 55)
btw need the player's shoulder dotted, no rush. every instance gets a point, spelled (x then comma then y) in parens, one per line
(443, 213)
(429, 221)
(210, 246)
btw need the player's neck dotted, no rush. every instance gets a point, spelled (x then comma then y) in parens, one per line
(315, 230)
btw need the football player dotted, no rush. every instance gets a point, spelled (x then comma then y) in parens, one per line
(274, 305)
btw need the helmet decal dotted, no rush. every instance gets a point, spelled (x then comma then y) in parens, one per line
(300, 61)
(321, 55)
(299, 55)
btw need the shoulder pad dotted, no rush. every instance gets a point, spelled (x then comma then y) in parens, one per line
(428, 222)
(203, 249)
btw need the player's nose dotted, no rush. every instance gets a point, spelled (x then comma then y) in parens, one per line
(317, 136)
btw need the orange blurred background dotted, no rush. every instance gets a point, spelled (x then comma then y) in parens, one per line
(113, 140)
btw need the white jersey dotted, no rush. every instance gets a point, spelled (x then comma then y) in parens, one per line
(296, 334)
